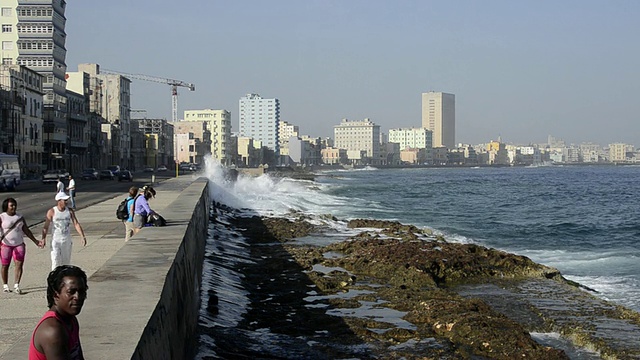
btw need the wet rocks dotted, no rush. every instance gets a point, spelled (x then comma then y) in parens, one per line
(414, 272)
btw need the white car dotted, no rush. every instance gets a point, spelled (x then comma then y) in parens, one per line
(53, 175)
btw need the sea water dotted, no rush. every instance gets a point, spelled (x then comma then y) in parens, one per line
(582, 220)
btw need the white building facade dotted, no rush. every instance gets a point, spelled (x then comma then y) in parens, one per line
(357, 136)
(416, 138)
(439, 116)
(259, 119)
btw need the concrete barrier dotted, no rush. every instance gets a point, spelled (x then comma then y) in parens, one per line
(149, 291)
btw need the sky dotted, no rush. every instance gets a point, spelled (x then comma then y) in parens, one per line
(520, 70)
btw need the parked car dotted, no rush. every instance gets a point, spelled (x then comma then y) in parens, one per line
(148, 169)
(89, 174)
(125, 175)
(187, 167)
(162, 168)
(106, 175)
(53, 175)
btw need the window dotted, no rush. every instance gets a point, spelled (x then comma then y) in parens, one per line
(6, 28)
(7, 45)
(6, 11)
(7, 61)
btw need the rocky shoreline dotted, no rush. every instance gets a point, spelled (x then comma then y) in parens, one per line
(448, 300)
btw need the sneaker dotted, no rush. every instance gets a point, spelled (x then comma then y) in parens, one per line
(6, 289)
(16, 289)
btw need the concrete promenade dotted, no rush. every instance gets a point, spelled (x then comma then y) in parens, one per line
(106, 332)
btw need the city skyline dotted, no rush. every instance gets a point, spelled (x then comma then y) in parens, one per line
(520, 71)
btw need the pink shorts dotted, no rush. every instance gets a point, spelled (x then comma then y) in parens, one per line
(17, 252)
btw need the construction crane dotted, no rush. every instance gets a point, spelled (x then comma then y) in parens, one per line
(174, 87)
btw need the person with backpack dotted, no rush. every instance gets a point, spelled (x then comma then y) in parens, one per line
(142, 209)
(128, 221)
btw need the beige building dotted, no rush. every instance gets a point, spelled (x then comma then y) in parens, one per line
(199, 137)
(618, 152)
(115, 107)
(357, 136)
(219, 125)
(286, 131)
(439, 116)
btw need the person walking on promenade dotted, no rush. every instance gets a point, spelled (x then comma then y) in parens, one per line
(61, 217)
(59, 185)
(129, 229)
(142, 209)
(13, 228)
(72, 192)
(57, 334)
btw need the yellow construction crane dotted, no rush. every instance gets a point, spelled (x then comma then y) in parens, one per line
(174, 87)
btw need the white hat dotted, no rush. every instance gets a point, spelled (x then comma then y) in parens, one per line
(62, 196)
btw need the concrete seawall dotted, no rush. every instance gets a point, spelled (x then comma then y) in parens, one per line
(149, 290)
(144, 295)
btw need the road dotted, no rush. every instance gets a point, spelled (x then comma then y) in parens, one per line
(35, 198)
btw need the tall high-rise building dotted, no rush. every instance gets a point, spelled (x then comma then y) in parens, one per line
(260, 120)
(32, 34)
(439, 116)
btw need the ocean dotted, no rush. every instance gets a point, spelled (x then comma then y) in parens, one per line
(582, 220)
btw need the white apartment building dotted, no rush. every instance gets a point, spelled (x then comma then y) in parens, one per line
(414, 138)
(356, 136)
(439, 116)
(33, 34)
(260, 119)
(219, 124)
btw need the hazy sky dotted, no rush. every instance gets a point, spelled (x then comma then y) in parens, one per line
(519, 69)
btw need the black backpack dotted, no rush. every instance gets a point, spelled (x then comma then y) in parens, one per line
(122, 212)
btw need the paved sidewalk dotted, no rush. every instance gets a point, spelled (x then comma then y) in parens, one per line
(105, 236)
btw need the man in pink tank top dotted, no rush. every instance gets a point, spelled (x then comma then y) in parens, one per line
(57, 334)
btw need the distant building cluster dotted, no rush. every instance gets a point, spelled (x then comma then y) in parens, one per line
(53, 118)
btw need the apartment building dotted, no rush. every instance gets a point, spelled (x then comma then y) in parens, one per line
(33, 35)
(620, 152)
(439, 116)
(21, 116)
(115, 107)
(286, 131)
(199, 140)
(219, 126)
(418, 138)
(160, 134)
(357, 136)
(260, 120)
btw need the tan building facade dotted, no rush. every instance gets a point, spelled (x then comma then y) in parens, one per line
(439, 116)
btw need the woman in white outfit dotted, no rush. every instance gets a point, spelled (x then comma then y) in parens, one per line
(61, 217)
